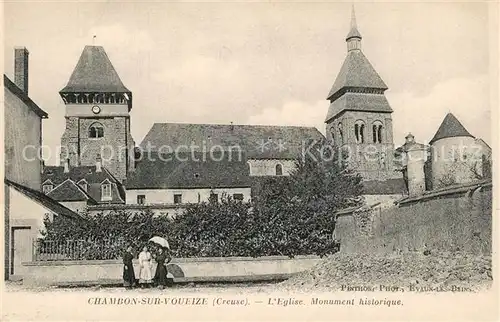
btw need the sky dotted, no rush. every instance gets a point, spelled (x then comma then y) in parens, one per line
(260, 63)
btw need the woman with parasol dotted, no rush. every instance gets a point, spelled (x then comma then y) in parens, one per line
(162, 258)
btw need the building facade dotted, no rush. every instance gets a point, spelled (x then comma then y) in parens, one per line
(25, 205)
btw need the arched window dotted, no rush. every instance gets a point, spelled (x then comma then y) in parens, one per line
(332, 133)
(341, 134)
(359, 131)
(96, 130)
(279, 170)
(377, 132)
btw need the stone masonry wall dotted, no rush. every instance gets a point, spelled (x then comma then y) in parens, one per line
(112, 147)
(451, 224)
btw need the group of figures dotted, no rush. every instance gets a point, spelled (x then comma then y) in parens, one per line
(146, 279)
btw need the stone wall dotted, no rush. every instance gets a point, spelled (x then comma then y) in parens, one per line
(451, 222)
(115, 147)
(182, 269)
(455, 160)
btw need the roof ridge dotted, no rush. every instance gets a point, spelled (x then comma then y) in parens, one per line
(239, 125)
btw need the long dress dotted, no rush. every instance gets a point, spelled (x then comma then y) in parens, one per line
(161, 270)
(128, 270)
(145, 273)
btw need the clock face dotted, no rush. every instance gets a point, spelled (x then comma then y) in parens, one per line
(96, 109)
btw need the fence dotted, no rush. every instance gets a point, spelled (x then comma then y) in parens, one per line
(56, 250)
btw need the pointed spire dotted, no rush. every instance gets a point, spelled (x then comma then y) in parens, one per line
(449, 128)
(353, 33)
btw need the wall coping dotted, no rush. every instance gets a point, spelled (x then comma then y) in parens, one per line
(174, 260)
(447, 191)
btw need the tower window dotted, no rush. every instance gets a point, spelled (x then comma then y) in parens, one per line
(96, 130)
(341, 134)
(279, 170)
(377, 132)
(332, 133)
(359, 131)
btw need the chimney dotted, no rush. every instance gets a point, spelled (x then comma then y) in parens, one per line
(98, 163)
(66, 166)
(232, 126)
(21, 68)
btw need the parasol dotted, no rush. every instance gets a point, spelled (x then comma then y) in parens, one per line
(160, 241)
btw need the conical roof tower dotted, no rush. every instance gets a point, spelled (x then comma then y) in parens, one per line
(450, 128)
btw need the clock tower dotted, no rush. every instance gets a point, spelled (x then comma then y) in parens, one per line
(97, 115)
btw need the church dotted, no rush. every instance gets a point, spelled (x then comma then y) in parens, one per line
(180, 163)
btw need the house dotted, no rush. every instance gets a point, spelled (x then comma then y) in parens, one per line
(79, 187)
(27, 208)
(25, 205)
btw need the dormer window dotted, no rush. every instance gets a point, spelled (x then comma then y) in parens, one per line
(96, 130)
(47, 188)
(83, 184)
(106, 191)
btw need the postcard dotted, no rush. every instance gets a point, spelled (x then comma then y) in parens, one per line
(248, 161)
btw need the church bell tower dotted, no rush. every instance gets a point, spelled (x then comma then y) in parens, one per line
(359, 117)
(97, 116)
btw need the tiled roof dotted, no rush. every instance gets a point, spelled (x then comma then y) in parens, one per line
(357, 72)
(44, 200)
(449, 128)
(93, 178)
(384, 187)
(69, 191)
(257, 141)
(94, 73)
(358, 102)
(188, 170)
(22, 96)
